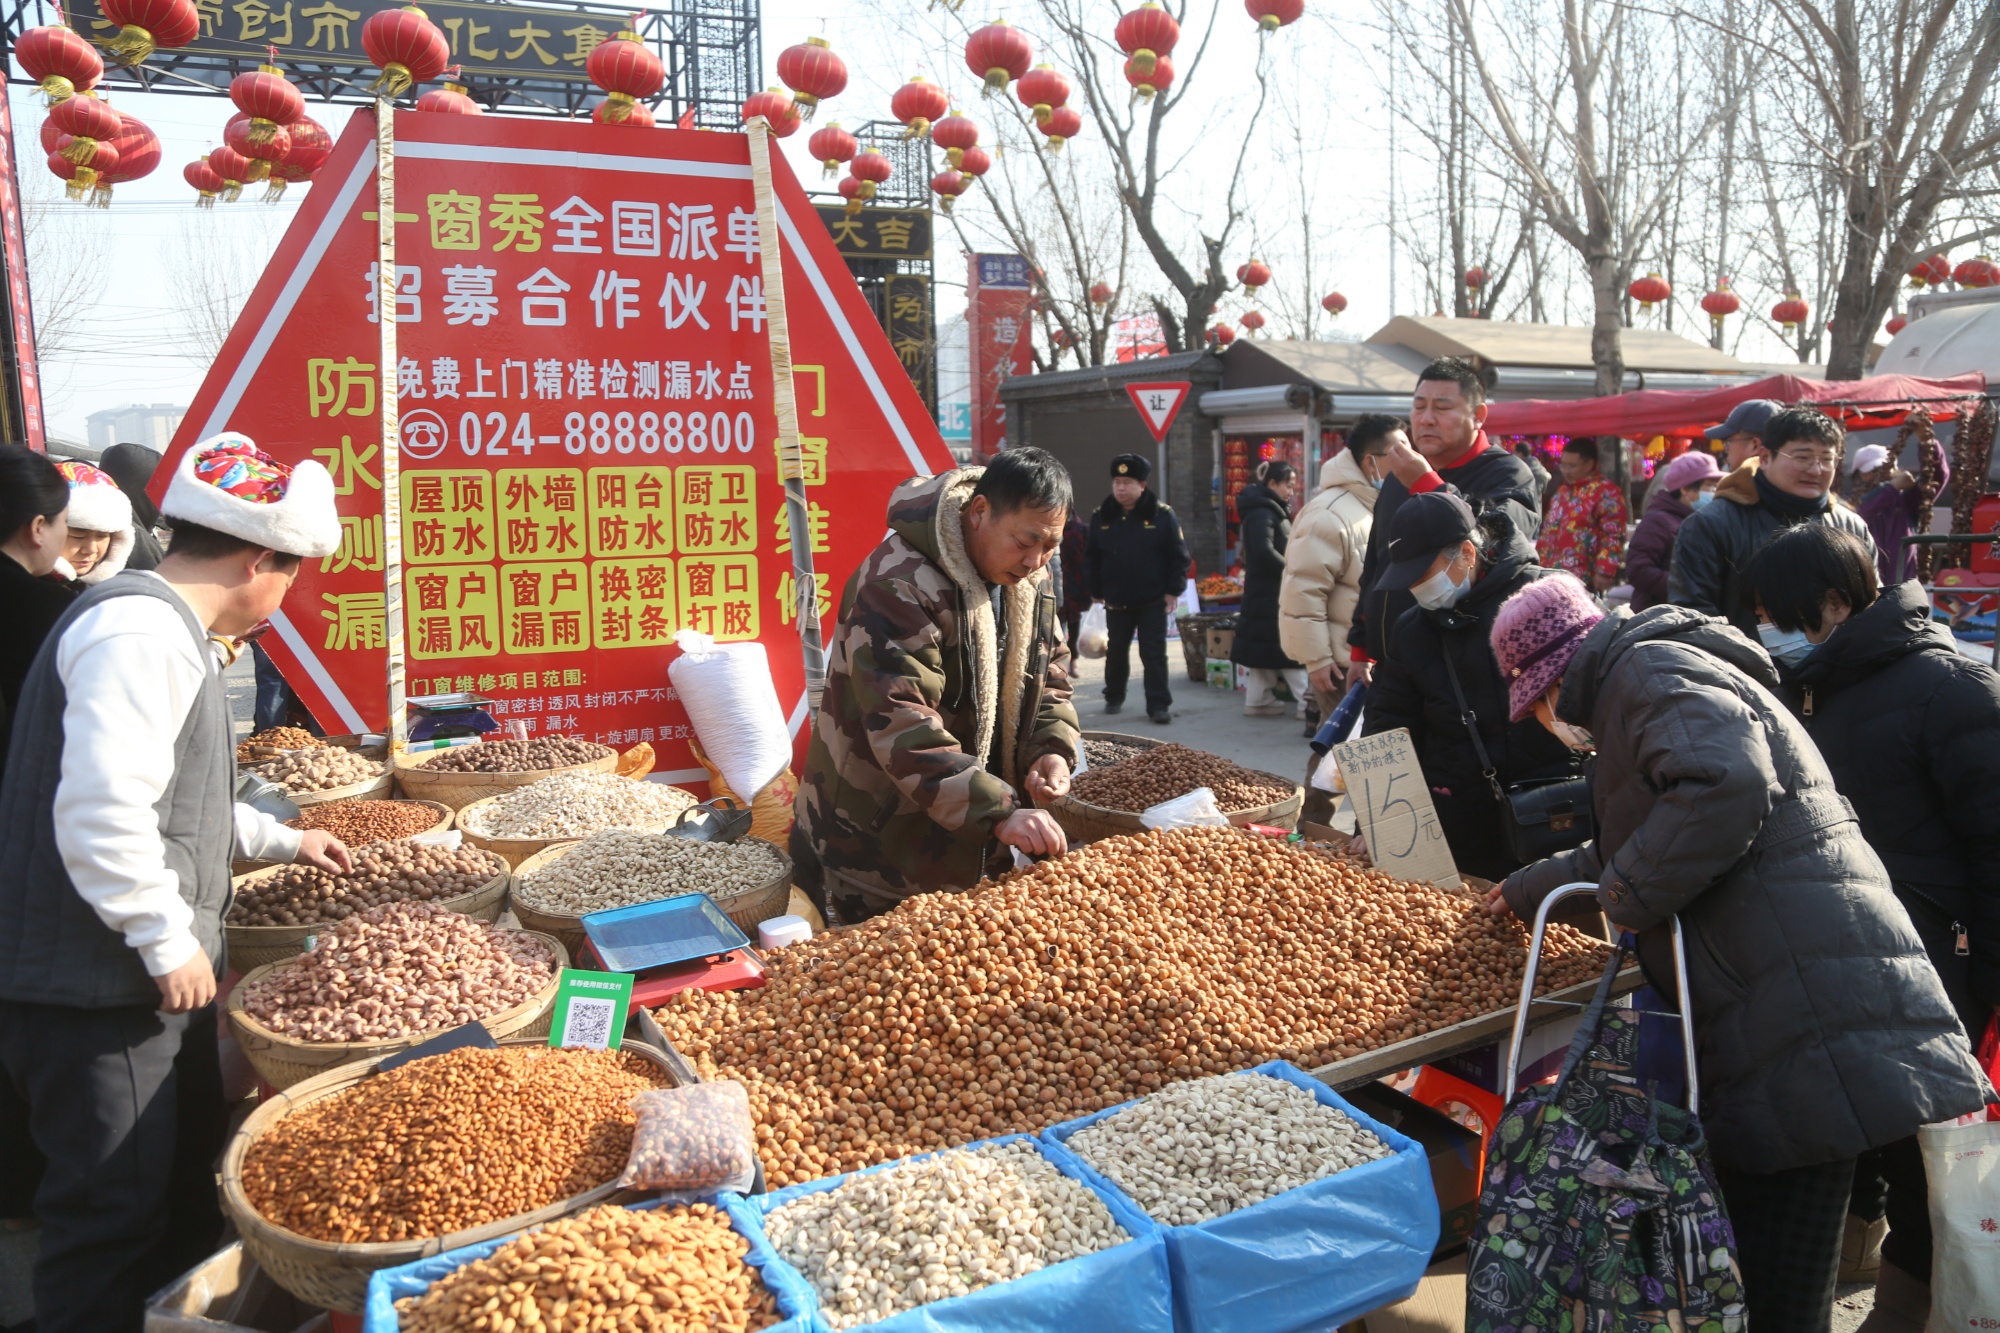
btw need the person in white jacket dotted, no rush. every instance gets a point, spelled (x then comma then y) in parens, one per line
(1323, 563)
(116, 830)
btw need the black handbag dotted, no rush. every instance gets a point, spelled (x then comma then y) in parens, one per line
(1540, 817)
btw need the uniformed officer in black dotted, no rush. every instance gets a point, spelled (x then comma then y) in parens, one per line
(1136, 563)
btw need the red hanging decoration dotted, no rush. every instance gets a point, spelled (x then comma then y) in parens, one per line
(850, 190)
(1272, 15)
(948, 185)
(628, 72)
(918, 103)
(1333, 303)
(262, 154)
(638, 116)
(1939, 269)
(813, 72)
(233, 168)
(1896, 325)
(955, 133)
(1145, 34)
(870, 168)
(998, 54)
(138, 156)
(1221, 336)
(1252, 320)
(206, 183)
(775, 106)
(1720, 304)
(268, 98)
(406, 46)
(1791, 312)
(831, 146)
(976, 162)
(1147, 82)
(1649, 291)
(144, 25)
(1042, 90)
(1101, 293)
(63, 63)
(86, 121)
(82, 179)
(311, 146)
(453, 99)
(1253, 275)
(1977, 272)
(1065, 123)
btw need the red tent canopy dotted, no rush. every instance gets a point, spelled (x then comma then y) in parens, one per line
(1877, 401)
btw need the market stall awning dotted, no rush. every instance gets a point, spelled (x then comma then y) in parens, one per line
(1878, 400)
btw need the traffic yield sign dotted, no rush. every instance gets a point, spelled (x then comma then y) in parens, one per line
(1159, 403)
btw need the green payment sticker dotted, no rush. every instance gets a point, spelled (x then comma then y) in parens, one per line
(590, 1009)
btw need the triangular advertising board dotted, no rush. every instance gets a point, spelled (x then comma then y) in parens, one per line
(586, 420)
(1159, 402)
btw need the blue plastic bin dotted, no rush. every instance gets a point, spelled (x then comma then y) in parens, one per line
(794, 1293)
(1120, 1290)
(1307, 1260)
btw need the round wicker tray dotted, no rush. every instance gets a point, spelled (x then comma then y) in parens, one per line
(1084, 822)
(282, 1061)
(458, 790)
(334, 1275)
(518, 850)
(254, 946)
(444, 818)
(372, 788)
(747, 908)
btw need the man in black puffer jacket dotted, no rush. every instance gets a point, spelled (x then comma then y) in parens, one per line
(1910, 728)
(1485, 560)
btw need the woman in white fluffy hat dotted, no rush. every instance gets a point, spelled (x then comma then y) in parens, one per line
(100, 525)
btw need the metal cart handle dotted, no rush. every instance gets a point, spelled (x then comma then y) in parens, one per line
(1528, 994)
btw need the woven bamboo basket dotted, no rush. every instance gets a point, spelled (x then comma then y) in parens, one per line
(443, 821)
(282, 1061)
(254, 946)
(1125, 738)
(747, 908)
(334, 1275)
(459, 790)
(374, 787)
(1084, 822)
(518, 850)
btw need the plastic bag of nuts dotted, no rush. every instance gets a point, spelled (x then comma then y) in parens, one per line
(700, 1137)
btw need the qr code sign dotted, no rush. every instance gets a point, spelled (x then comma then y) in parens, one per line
(588, 1023)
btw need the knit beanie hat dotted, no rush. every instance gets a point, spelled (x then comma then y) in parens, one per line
(1536, 635)
(97, 505)
(227, 483)
(1696, 465)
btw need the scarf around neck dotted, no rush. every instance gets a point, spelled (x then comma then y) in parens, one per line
(1791, 508)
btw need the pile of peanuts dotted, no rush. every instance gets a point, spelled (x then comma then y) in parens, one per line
(397, 971)
(1091, 979)
(322, 769)
(946, 1226)
(516, 756)
(1197, 1150)
(448, 1143)
(275, 738)
(675, 1269)
(623, 868)
(1160, 774)
(576, 805)
(355, 821)
(384, 872)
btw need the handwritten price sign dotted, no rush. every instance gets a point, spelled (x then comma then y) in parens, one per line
(1394, 808)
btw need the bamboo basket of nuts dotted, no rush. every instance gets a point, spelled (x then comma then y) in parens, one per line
(575, 806)
(282, 1061)
(335, 1274)
(746, 901)
(1104, 803)
(255, 945)
(371, 789)
(457, 777)
(356, 821)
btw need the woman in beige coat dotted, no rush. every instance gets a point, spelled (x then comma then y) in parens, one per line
(1323, 562)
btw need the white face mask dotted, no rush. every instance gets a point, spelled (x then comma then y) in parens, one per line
(1440, 590)
(1789, 646)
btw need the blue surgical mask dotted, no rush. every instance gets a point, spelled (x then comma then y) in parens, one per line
(1789, 646)
(1701, 501)
(1440, 590)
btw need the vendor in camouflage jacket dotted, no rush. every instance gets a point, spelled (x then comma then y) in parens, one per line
(947, 704)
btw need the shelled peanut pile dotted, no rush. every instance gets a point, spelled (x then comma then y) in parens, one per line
(1087, 980)
(1143, 780)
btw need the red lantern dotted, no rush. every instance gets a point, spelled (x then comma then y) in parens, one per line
(1252, 320)
(1720, 304)
(1101, 293)
(1920, 273)
(976, 162)
(1939, 270)
(948, 185)
(813, 72)
(138, 156)
(638, 116)
(1145, 34)
(1790, 312)
(406, 46)
(1147, 82)
(1649, 291)
(86, 121)
(268, 98)
(1979, 272)
(775, 106)
(832, 146)
(453, 99)
(233, 168)
(918, 103)
(1221, 335)
(1272, 15)
(1253, 274)
(1060, 339)
(1896, 325)
(850, 190)
(1042, 90)
(144, 25)
(60, 61)
(1333, 303)
(868, 170)
(84, 178)
(1065, 123)
(1475, 278)
(262, 155)
(955, 133)
(311, 147)
(628, 73)
(206, 183)
(999, 54)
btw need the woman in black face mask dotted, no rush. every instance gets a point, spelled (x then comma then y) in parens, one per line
(1910, 728)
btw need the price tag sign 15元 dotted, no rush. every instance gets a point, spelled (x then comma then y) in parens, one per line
(1394, 810)
(590, 1009)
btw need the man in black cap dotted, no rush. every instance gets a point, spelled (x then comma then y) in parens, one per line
(1742, 433)
(1136, 564)
(1459, 567)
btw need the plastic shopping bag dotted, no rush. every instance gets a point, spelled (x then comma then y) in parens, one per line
(1093, 635)
(1196, 809)
(1962, 1160)
(699, 1137)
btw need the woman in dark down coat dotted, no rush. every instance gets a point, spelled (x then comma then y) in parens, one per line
(1685, 484)
(1910, 728)
(1264, 509)
(1821, 1028)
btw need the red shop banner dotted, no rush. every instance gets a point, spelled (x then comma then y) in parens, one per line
(587, 433)
(999, 298)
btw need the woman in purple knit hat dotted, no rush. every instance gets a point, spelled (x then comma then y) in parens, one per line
(1821, 1028)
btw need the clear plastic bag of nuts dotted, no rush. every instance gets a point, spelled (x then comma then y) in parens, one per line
(700, 1137)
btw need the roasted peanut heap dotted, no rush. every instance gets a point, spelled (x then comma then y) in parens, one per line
(1089, 980)
(666, 1270)
(1143, 780)
(448, 1143)
(356, 821)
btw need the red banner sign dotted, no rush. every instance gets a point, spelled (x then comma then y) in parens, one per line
(999, 291)
(587, 430)
(20, 312)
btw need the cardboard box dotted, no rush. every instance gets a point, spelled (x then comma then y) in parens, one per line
(1437, 1305)
(1221, 673)
(1220, 642)
(1453, 1151)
